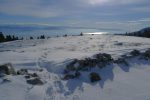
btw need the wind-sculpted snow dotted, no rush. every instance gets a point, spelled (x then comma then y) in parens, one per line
(119, 80)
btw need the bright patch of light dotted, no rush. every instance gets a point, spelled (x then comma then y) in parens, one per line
(97, 33)
(95, 2)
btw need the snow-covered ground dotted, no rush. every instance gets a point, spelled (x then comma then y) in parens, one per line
(118, 82)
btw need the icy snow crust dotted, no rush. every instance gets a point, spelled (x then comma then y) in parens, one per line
(119, 82)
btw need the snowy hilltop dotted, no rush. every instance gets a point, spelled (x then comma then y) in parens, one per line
(88, 67)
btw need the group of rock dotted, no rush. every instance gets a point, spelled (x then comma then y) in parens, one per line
(31, 78)
(101, 60)
(76, 66)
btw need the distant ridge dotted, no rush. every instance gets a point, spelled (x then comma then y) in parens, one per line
(142, 30)
(145, 32)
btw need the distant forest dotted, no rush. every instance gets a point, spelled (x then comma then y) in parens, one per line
(7, 38)
(13, 38)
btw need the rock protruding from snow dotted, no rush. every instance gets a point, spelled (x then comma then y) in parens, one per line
(22, 72)
(94, 77)
(7, 69)
(74, 68)
(101, 60)
(121, 61)
(69, 76)
(147, 54)
(135, 53)
(35, 81)
(103, 57)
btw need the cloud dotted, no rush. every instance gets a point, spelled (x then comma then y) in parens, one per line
(115, 2)
(28, 8)
(111, 14)
(54, 8)
(142, 9)
(145, 20)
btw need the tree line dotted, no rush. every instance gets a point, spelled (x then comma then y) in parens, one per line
(7, 38)
(13, 38)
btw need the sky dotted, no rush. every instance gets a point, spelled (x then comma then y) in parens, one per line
(121, 15)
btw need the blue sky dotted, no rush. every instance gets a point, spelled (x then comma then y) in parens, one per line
(124, 15)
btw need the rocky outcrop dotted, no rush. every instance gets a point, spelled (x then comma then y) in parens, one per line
(73, 69)
(101, 60)
(22, 72)
(146, 54)
(7, 69)
(121, 61)
(35, 81)
(135, 53)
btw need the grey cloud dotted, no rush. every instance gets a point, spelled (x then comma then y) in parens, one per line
(54, 8)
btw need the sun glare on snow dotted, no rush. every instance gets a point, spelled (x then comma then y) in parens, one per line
(97, 33)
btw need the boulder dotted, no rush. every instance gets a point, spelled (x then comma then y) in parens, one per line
(29, 75)
(135, 53)
(121, 61)
(34, 75)
(71, 65)
(103, 57)
(35, 81)
(77, 74)
(119, 43)
(86, 64)
(69, 76)
(101, 65)
(147, 53)
(91, 62)
(22, 72)
(70, 68)
(94, 77)
(7, 69)
(5, 80)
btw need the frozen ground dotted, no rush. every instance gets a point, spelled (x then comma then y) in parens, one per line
(118, 81)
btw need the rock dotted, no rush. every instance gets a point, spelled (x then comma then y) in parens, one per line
(101, 65)
(147, 53)
(40, 70)
(71, 65)
(27, 76)
(5, 80)
(34, 75)
(83, 67)
(69, 76)
(70, 68)
(94, 77)
(121, 61)
(66, 71)
(91, 62)
(119, 43)
(22, 72)
(77, 74)
(86, 64)
(103, 57)
(135, 53)
(35, 81)
(7, 69)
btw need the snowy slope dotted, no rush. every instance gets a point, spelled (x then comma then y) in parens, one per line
(119, 81)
